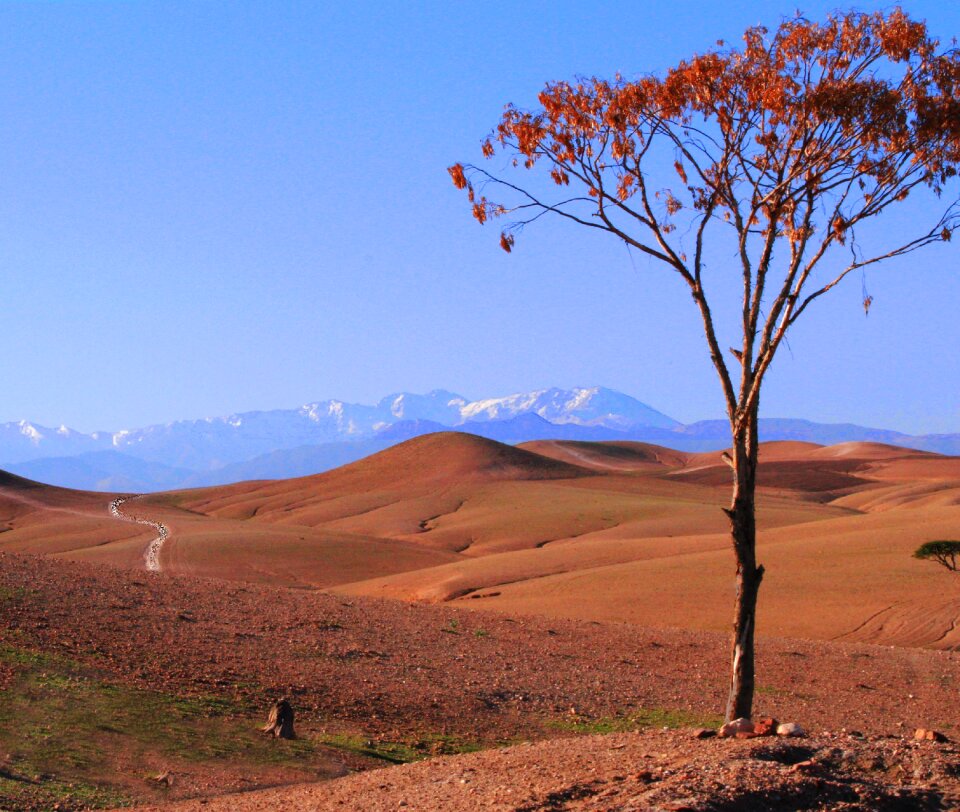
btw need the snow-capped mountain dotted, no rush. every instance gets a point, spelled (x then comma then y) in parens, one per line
(322, 435)
(211, 443)
(439, 406)
(21, 441)
(596, 406)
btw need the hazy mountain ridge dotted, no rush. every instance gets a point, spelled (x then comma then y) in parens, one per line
(213, 442)
(318, 436)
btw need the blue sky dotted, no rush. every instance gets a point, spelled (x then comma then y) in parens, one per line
(211, 207)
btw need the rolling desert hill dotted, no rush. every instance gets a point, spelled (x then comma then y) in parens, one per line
(44, 519)
(607, 531)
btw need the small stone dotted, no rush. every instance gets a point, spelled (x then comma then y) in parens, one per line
(704, 733)
(735, 728)
(923, 734)
(766, 726)
(790, 729)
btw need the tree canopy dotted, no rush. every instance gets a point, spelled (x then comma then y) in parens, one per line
(943, 552)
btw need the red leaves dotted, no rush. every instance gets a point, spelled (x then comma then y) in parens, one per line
(798, 113)
(458, 176)
(839, 228)
(900, 37)
(506, 241)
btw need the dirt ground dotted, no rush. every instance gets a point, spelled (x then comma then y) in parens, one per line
(657, 770)
(449, 680)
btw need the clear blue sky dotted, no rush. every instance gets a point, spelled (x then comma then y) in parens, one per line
(209, 207)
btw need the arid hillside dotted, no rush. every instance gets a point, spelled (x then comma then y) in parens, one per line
(600, 531)
(609, 575)
(125, 686)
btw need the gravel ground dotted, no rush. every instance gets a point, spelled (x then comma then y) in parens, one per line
(662, 770)
(395, 670)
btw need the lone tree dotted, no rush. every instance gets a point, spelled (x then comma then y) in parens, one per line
(786, 151)
(943, 552)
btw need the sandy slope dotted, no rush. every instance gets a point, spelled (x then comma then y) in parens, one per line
(565, 541)
(612, 531)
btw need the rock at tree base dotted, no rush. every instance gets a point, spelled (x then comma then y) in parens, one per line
(280, 721)
(748, 729)
(791, 729)
(766, 726)
(736, 727)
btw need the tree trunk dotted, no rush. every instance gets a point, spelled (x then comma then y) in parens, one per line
(743, 530)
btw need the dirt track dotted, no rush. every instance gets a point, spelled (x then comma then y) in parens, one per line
(151, 556)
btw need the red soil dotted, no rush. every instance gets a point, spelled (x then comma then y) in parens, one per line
(643, 771)
(391, 670)
(389, 666)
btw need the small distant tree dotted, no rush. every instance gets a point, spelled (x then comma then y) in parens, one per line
(943, 552)
(781, 153)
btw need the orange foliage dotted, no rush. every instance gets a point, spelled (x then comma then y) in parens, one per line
(805, 110)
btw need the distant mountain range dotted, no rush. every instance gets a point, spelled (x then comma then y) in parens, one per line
(323, 435)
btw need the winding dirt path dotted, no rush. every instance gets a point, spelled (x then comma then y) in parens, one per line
(151, 556)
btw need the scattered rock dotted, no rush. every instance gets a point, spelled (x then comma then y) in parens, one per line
(790, 729)
(748, 729)
(766, 726)
(165, 779)
(704, 733)
(923, 734)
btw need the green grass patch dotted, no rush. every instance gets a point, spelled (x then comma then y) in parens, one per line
(400, 752)
(636, 720)
(21, 792)
(69, 733)
(12, 594)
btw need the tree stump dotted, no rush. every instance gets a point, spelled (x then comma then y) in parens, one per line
(280, 720)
